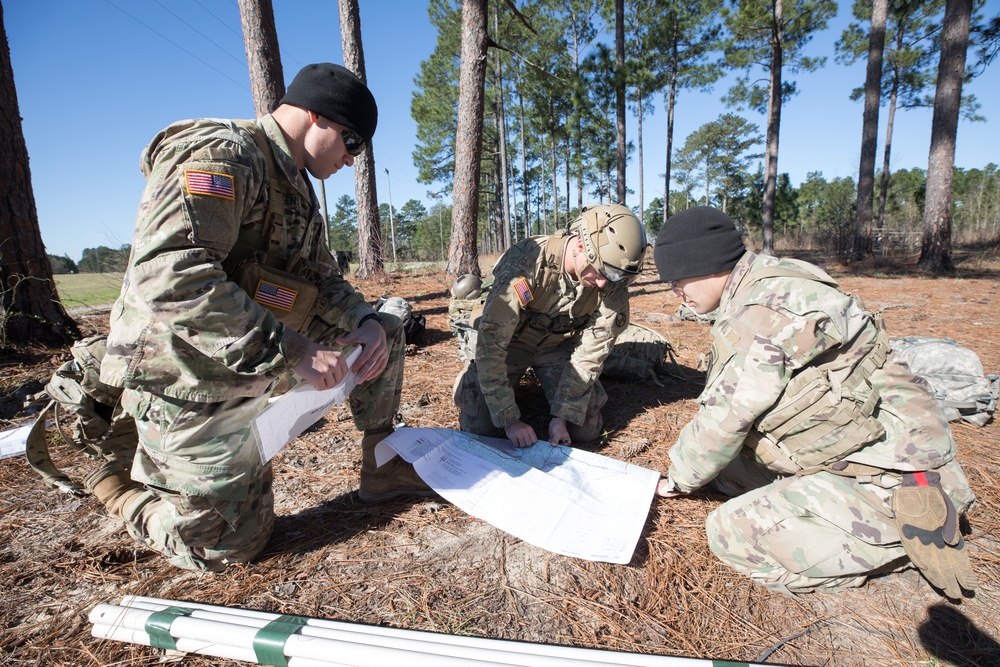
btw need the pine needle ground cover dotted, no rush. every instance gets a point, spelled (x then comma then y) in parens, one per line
(426, 565)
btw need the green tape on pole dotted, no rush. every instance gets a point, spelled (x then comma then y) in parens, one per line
(269, 642)
(158, 626)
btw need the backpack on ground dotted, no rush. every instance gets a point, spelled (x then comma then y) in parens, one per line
(685, 312)
(85, 412)
(414, 324)
(640, 355)
(954, 374)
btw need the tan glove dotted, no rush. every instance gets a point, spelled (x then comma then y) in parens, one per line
(928, 529)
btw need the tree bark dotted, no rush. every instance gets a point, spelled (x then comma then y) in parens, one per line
(524, 161)
(502, 141)
(463, 256)
(267, 82)
(30, 310)
(370, 260)
(935, 252)
(620, 96)
(671, 93)
(862, 246)
(773, 127)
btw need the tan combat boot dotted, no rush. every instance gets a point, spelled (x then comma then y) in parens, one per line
(393, 479)
(114, 487)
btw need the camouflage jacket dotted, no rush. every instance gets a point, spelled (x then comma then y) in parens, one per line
(535, 305)
(181, 326)
(789, 326)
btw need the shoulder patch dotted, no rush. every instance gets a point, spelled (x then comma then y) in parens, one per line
(208, 183)
(524, 295)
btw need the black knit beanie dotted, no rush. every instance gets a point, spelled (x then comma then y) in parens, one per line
(337, 94)
(700, 241)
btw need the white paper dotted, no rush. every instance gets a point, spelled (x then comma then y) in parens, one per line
(566, 500)
(14, 441)
(288, 415)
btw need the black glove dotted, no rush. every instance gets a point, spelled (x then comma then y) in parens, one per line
(928, 529)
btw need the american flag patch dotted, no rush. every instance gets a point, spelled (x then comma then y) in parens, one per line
(209, 183)
(524, 295)
(275, 296)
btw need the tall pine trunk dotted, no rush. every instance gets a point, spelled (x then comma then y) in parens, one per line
(671, 98)
(463, 256)
(370, 259)
(620, 98)
(773, 128)
(935, 251)
(862, 246)
(30, 311)
(267, 82)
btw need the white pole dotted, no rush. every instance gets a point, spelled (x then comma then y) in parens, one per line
(231, 632)
(441, 651)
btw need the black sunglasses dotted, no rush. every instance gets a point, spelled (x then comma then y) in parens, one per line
(354, 144)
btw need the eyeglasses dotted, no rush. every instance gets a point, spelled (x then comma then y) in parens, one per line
(354, 144)
(612, 273)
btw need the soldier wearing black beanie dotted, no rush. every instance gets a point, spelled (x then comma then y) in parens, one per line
(335, 93)
(699, 241)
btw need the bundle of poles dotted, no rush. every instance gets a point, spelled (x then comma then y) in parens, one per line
(296, 641)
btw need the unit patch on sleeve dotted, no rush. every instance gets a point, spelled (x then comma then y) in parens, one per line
(275, 296)
(524, 295)
(208, 183)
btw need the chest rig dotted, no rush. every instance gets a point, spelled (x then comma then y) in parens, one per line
(283, 282)
(825, 412)
(539, 320)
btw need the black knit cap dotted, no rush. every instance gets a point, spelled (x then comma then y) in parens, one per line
(337, 94)
(700, 241)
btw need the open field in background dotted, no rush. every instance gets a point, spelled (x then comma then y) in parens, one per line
(78, 290)
(426, 565)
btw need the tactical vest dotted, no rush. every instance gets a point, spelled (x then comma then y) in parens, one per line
(822, 415)
(258, 261)
(538, 323)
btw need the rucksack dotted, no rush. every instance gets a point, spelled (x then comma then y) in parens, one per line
(640, 355)
(414, 324)
(954, 374)
(85, 412)
(685, 312)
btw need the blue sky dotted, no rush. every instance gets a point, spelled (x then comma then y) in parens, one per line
(96, 79)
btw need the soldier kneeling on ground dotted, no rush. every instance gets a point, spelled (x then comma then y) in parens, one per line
(840, 465)
(556, 305)
(231, 288)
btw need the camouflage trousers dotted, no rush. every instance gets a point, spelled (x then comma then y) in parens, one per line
(208, 500)
(549, 365)
(801, 534)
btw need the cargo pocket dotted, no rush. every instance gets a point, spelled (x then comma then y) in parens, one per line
(187, 448)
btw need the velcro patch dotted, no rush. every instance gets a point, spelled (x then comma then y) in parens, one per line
(524, 295)
(208, 183)
(275, 296)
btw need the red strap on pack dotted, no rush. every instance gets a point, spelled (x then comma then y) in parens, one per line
(920, 478)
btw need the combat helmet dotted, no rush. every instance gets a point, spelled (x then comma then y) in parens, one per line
(467, 286)
(613, 240)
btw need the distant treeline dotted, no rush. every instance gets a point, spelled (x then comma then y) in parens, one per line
(819, 213)
(101, 259)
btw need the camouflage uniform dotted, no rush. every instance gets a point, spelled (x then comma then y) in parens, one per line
(198, 357)
(799, 533)
(537, 316)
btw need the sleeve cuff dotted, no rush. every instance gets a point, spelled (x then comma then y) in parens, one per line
(293, 346)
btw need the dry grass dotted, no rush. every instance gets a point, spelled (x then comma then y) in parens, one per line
(426, 565)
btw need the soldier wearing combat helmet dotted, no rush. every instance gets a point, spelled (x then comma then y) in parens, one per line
(231, 288)
(556, 305)
(840, 464)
